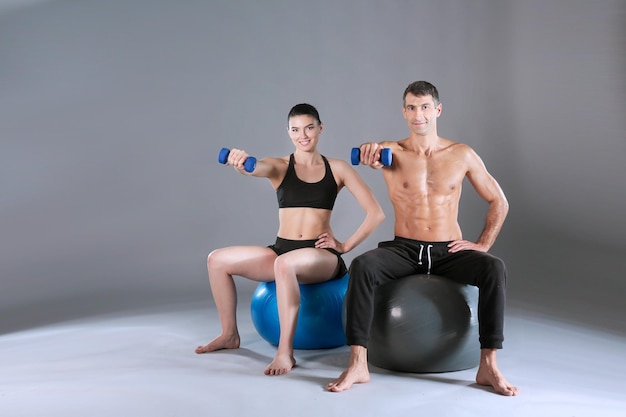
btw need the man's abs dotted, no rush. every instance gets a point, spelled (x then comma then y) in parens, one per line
(427, 226)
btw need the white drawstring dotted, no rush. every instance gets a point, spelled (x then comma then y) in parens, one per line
(428, 255)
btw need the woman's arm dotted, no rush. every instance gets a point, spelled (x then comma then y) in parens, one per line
(374, 214)
(265, 168)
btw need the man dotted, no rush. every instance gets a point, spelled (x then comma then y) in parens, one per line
(424, 185)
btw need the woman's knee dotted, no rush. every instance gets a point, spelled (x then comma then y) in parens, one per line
(306, 267)
(216, 260)
(284, 266)
(211, 258)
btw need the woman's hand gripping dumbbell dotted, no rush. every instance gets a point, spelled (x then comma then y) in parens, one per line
(248, 165)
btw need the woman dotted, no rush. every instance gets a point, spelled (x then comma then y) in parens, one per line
(306, 250)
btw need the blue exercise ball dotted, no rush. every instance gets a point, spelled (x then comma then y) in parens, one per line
(320, 324)
(424, 324)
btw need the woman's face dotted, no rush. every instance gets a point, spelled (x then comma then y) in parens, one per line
(304, 131)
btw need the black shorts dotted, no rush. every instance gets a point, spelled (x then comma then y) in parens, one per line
(286, 245)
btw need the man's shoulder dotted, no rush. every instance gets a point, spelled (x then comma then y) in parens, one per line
(449, 142)
(390, 143)
(394, 145)
(455, 146)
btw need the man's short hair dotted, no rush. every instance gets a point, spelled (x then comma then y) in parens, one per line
(422, 88)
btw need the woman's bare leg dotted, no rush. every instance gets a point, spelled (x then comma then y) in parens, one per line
(306, 266)
(253, 262)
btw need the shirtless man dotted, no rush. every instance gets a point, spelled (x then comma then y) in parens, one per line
(424, 186)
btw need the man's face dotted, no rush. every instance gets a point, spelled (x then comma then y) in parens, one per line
(304, 132)
(421, 113)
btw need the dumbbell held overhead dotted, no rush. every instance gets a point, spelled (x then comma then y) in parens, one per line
(248, 165)
(385, 156)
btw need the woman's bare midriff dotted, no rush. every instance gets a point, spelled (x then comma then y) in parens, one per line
(303, 223)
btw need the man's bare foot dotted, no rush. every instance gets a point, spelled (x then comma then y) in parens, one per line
(356, 373)
(281, 364)
(489, 375)
(220, 342)
(352, 375)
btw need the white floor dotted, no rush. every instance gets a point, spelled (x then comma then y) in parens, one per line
(142, 364)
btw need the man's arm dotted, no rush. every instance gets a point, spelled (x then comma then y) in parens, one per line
(489, 190)
(370, 153)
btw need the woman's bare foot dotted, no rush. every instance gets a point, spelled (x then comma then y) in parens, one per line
(220, 342)
(281, 364)
(356, 373)
(489, 375)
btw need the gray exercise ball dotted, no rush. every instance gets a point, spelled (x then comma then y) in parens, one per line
(424, 324)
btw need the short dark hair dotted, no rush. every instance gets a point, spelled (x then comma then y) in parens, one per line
(422, 88)
(304, 109)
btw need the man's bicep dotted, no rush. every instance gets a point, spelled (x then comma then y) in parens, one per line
(483, 182)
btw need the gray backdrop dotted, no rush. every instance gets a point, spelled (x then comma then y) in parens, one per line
(112, 113)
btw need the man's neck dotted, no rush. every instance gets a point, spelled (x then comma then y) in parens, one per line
(423, 144)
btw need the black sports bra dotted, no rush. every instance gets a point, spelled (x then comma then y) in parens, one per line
(293, 192)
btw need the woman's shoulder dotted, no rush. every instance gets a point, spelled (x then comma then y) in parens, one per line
(336, 163)
(277, 160)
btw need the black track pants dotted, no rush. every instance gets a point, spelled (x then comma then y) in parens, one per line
(402, 257)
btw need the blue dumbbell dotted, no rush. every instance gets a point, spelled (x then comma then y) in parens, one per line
(248, 165)
(385, 156)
